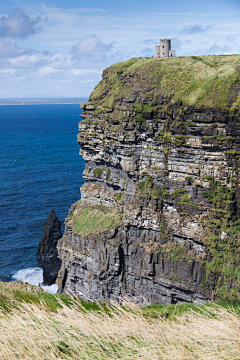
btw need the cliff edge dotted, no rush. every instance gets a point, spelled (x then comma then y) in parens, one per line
(158, 218)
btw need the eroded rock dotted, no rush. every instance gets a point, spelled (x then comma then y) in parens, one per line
(171, 171)
(47, 255)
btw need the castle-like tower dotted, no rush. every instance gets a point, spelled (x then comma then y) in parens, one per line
(164, 49)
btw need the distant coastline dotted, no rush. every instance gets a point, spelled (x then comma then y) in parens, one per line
(41, 101)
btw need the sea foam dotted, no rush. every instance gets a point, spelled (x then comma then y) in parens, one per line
(34, 276)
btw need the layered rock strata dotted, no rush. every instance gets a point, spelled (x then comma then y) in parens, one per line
(47, 255)
(159, 209)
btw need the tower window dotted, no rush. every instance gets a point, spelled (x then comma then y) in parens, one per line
(163, 46)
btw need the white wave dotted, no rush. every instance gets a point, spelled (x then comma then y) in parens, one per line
(34, 276)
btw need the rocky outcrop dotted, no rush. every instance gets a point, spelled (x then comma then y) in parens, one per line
(159, 209)
(47, 255)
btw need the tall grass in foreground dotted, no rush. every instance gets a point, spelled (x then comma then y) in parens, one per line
(31, 331)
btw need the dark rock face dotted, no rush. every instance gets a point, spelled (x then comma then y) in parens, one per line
(47, 255)
(172, 172)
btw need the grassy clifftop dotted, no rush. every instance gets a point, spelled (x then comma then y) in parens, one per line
(194, 81)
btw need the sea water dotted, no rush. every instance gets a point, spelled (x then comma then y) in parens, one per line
(40, 170)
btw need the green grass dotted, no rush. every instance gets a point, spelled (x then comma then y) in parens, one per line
(208, 81)
(74, 329)
(116, 128)
(108, 173)
(11, 297)
(98, 171)
(93, 220)
(207, 177)
(189, 179)
(172, 311)
(179, 191)
(147, 188)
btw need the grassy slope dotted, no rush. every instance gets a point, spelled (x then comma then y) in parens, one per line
(36, 325)
(93, 220)
(199, 81)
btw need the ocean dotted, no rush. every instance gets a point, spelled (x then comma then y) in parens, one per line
(40, 170)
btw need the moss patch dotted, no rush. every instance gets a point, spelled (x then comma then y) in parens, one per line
(177, 253)
(98, 171)
(147, 188)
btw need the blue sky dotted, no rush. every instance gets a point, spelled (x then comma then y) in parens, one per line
(59, 48)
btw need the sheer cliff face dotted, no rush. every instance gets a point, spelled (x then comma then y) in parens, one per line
(158, 215)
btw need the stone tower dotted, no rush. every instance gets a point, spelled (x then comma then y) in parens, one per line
(164, 49)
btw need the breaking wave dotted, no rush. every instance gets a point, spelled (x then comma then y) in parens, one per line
(34, 276)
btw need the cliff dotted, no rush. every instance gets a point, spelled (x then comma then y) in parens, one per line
(47, 255)
(158, 218)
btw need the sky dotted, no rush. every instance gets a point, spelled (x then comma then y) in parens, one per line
(59, 48)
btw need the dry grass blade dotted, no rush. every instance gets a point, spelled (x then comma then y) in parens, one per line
(31, 332)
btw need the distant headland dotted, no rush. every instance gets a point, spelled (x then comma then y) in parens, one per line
(41, 101)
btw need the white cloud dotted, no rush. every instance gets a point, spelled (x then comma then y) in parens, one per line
(46, 71)
(18, 24)
(9, 49)
(7, 71)
(78, 72)
(25, 60)
(91, 44)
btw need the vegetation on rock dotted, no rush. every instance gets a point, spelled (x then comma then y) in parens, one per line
(222, 238)
(93, 220)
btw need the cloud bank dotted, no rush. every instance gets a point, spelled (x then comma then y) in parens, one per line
(20, 25)
(66, 57)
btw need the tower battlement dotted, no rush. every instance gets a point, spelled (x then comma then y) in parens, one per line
(164, 49)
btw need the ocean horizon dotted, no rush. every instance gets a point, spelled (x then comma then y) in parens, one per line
(41, 170)
(41, 101)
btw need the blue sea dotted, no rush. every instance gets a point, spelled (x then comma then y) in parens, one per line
(40, 170)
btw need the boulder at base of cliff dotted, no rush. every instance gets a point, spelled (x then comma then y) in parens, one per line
(47, 255)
